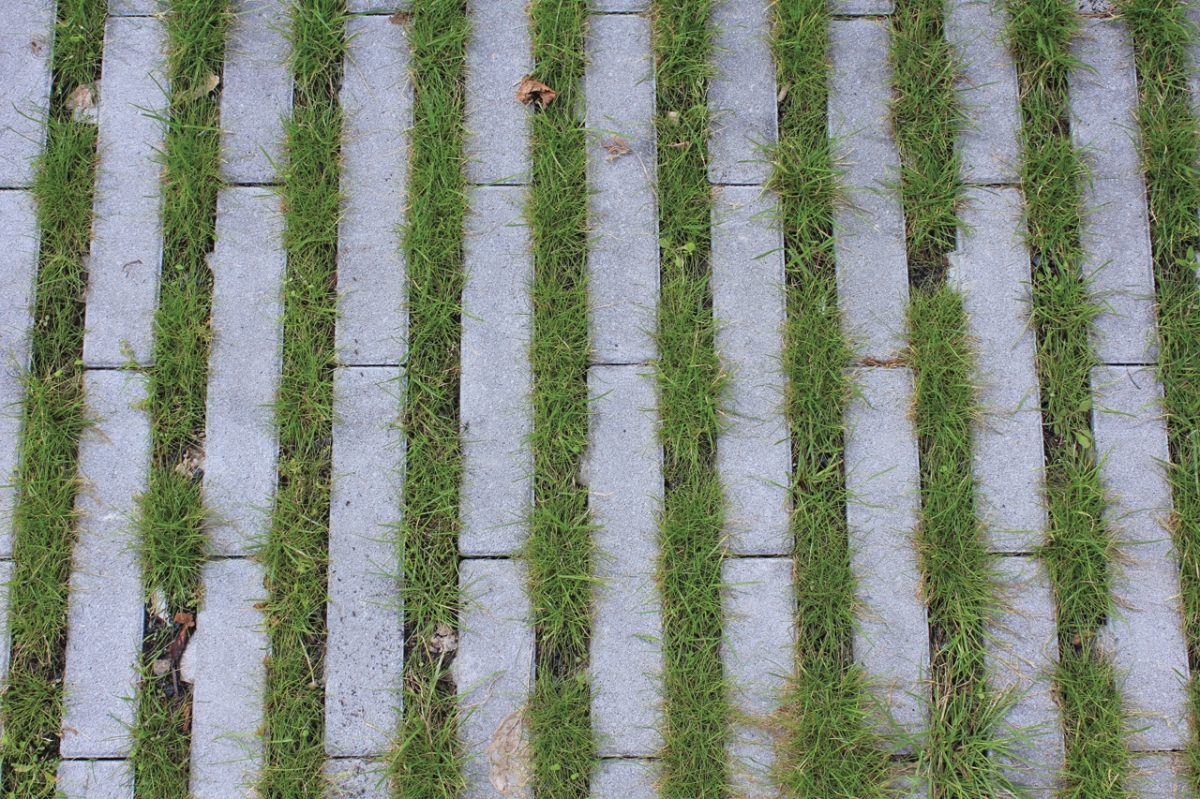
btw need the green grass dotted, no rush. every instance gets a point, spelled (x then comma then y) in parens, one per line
(171, 522)
(52, 418)
(1170, 152)
(828, 748)
(427, 760)
(690, 385)
(560, 548)
(1078, 550)
(296, 552)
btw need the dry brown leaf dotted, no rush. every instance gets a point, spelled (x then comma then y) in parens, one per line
(616, 148)
(885, 363)
(207, 84)
(81, 104)
(534, 91)
(508, 757)
(783, 93)
(400, 18)
(682, 145)
(186, 619)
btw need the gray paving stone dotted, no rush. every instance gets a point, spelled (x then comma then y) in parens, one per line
(1161, 775)
(758, 654)
(18, 268)
(989, 148)
(861, 8)
(134, 8)
(126, 252)
(248, 266)
(256, 91)
(95, 779)
(892, 638)
(626, 779)
(365, 646)
(753, 452)
(498, 55)
(991, 269)
(494, 400)
(1104, 99)
(105, 611)
(1146, 637)
(385, 7)
(1022, 650)
(25, 45)
(741, 98)
(354, 778)
(377, 102)
(620, 6)
(225, 664)
(623, 259)
(624, 478)
(494, 673)
(1193, 14)
(6, 574)
(872, 263)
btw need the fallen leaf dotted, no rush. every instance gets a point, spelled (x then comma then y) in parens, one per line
(207, 84)
(508, 756)
(443, 640)
(534, 91)
(186, 619)
(682, 145)
(616, 148)
(161, 667)
(783, 93)
(884, 363)
(400, 18)
(81, 104)
(259, 605)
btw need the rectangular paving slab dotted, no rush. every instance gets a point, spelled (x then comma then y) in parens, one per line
(355, 778)
(95, 779)
(494, 398)
(1161, 775)
(741, 96)
(105, 615)
(1104, 95)
(623, 213)
(1146, 635)
(499, 54)
(494, 674)
(872, 262)
(6, 575)
(861, 8)
(365, 645)
(256, 91)
(25, 43)
(126, 253)
(248, 266)
(753, 451)
(377, 102)
(628, 778)
(623, 470)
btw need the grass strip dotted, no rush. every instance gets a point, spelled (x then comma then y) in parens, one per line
(1079, 549)
(690, 385)
(828, 746)
(171, 522)
(296, 552)
(1162, 36)
(559, 551)
(427, 760)
(52, 415)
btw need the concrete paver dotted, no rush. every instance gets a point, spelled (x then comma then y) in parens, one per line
(6, 575)
(256, 91)
(631, 778)
(355, 778)
(741, 99)
(95, 779)
(861, 8)
(498, 55)
(1161, 775)
(25, 45)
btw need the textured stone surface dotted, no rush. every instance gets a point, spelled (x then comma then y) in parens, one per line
(758, 653)
(861, 8)
(243, 370)
(620, 6)
(134, 8)
(1146, 636)
(991, 269)
(383, 7)
(625, 779)
(365, 647)
(354, 778)
(623, 258)
(126, 252)
(1022, 651)
(989, 147)
(872, 263)
(495, 410)
(105, 612)
(741, 98)
(95, 779)
(377, 102)
(494, 673)
(25, 90)
(1161, 775)
(225, 664)
(753, 453)
(256, 91)
(624, 476)
(1104, 98)
(6, 574)
(498, 55)
(892, 638)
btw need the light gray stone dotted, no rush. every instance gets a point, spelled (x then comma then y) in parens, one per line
(384, 7)
(991, 269)
(499, 54)
(891, 640)
(625, 488)
(989, 147)
(1104, 99)
(758, 655)
(626, 779)
(753, 452)
(95, 779)
(6, 575)
(226, 664)
(1193, 15)
(18, 268)
(354, 778)
(493, 672)
(248, 266)
(25, 44)
(1022, 651)
(1161, 775)
(134, 8)
(620, 6)
(377, 102)
(105, 611)
(1100, 7)
(126, 252)
(1146, 634)
(872, 262)
(494, 399)
(623, 258)
(365, 645)
(741, 97)
(861, 8)
(256, 91)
